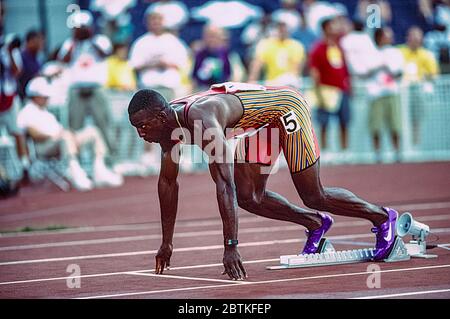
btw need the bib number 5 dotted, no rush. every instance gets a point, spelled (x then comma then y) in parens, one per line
(290, 122)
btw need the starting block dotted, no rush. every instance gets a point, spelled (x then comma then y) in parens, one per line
(329, 256)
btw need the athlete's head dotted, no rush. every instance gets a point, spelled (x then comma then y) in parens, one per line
(148, 111)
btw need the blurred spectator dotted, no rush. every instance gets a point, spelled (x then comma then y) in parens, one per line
(281, 58)
(420, 68)
(305, 35)
(383, 92)
(438, 42)
(52, 139)
(10, 68)
(115, 20)
(86, 55)
(120, 73)
(175, 13)
(289, 14)
(227, 14)
(34, 43)
(361, 54)
(362, 13)
(317, 11)
(212, 61)
(159, 58)
(254, 32)
(435, 12)
(331, 81)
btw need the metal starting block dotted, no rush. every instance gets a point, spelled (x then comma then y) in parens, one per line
(329, 256)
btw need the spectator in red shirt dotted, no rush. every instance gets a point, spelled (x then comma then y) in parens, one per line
(331, 80)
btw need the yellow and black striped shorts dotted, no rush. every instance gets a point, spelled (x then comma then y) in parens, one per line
(284, 121)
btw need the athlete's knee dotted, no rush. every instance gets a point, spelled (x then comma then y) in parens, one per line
(249, 200)
(316, 200)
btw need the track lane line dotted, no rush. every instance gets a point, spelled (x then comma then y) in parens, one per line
(129, 294)
(249, 230)
(185, 277)
(412, 293)
(185, 249)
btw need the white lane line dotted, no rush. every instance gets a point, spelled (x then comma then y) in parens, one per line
(197, 234)
(404, 294)
(417, 206)
(197, 248)
(134, 271)
(185, 277)
(145, 226)
(262, 282)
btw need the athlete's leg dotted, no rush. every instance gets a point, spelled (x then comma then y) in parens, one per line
(255, 198)
(335, 200)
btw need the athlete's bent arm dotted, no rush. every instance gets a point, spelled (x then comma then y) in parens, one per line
(168, 200)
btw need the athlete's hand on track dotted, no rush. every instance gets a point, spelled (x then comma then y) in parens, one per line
(233, 264)
(163, 258)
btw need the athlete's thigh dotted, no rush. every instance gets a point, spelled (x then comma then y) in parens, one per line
(250, 179)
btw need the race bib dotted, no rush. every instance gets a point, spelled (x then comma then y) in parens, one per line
(290, 122)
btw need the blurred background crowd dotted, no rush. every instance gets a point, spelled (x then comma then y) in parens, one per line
(374, 72)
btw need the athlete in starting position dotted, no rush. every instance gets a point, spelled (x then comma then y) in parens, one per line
(240, 182)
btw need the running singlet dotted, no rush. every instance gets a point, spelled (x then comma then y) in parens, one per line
(268, 112)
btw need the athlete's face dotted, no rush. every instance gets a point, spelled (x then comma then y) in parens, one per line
(150, 127)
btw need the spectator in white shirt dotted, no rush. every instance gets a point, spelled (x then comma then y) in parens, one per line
(383, 92)
(85, 53)
(52, 139)
(159, 58)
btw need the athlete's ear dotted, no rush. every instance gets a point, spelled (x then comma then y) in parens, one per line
(162, 116)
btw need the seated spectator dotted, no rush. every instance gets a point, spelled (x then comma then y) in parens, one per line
(281, 58)
(52, 139)
(34, 43)
(120, 73)
(212, 60)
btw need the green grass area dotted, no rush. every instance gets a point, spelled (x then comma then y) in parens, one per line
(28, 229)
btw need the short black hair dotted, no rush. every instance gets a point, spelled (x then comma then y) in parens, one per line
(147, 99)
(358, 25)
(378, 34)
(325, 22)
(32, 34)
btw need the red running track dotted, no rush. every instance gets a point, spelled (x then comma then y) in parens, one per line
(112, 236)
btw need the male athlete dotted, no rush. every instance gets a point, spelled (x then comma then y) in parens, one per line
(240, 182)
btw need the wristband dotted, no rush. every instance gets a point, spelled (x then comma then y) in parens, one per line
(231, 242)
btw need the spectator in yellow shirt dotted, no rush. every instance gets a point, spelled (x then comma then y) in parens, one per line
(281, 58)
(420, 63)
(420, 68)
(120, 74)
